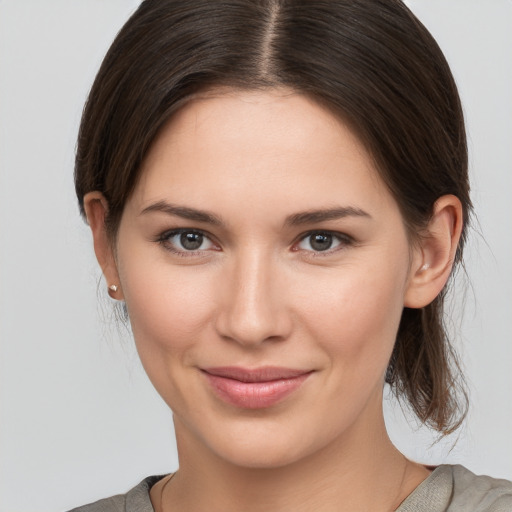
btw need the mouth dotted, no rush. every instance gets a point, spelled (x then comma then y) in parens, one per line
(254, 388)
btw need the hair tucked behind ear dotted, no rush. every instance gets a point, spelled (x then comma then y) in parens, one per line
(371, 61)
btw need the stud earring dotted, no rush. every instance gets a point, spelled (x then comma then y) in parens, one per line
(113, 288)
(426, 266)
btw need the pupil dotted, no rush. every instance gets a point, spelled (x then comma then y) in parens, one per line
(321, 242)
(191, 241)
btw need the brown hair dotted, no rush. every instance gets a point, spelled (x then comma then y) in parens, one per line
(371, 61)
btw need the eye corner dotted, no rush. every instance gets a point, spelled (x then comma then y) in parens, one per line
(178, 245)
(336, 241)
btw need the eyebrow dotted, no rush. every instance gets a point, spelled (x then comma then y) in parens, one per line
(183, 212)
(314, 216)
(297, 219)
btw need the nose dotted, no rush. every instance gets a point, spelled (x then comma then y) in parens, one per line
(253, 308)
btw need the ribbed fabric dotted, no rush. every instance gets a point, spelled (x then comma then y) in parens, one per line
(135, 500)
(447, 489)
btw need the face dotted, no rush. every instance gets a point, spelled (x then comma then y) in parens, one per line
(264, 265)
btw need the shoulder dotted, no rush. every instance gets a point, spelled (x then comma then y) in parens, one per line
(135, 500)
(479, 493)
(456, 489)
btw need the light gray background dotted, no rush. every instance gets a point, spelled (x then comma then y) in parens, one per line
(79, 419)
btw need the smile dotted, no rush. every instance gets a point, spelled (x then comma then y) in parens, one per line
(256, 388)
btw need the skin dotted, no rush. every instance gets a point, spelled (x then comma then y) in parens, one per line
(257, 293)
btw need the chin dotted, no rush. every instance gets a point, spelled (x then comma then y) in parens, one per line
(265, 445)
(261, 455)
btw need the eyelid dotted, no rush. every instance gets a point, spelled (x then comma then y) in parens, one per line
(344, 239)
(163, 239)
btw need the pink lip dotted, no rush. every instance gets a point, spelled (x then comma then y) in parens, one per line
(254, 388)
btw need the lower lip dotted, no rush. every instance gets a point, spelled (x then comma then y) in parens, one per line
(254, 395)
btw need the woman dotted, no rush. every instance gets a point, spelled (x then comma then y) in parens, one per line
(278, 192)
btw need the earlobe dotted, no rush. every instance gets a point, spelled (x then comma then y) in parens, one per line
(435, 254)
(96, 209)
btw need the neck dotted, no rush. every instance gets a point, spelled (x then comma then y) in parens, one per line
(361, 470)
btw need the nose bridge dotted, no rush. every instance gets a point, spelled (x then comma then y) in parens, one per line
(254, 308)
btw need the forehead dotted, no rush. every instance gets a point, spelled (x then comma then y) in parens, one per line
(255, 145)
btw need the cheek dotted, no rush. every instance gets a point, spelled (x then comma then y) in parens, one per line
(168, 307)
(356, 319)
(169, 313)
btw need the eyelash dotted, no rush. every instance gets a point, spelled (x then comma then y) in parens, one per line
(164, 240)
(344, 241)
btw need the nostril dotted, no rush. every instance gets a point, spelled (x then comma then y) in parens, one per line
(253, 326)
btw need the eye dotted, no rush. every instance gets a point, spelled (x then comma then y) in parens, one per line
(186, 240)
(322, 241)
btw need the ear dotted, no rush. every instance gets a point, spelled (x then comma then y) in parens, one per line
(96, 209)
(434, 255)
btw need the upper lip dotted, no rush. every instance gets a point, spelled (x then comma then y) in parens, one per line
(262, 374)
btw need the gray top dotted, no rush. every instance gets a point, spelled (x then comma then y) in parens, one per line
(447, 489)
